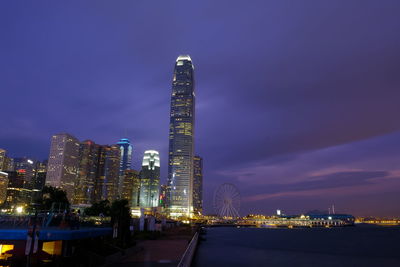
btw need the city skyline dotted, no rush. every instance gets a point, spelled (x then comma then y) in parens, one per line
(295, 107)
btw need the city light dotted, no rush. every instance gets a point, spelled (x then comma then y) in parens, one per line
(19, 209)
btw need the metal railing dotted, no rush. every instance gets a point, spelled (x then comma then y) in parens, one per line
(53, 220)
(187, 257)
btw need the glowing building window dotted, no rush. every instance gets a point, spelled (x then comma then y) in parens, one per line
(53, 247)
(5, 250)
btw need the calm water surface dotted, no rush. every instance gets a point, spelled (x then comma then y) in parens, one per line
(349, 246)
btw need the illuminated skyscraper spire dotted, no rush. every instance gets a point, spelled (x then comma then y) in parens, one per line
(181, 137)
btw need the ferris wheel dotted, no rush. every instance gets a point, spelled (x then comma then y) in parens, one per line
(227, 201)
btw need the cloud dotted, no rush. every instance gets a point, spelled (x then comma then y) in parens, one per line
(328, 181)
(274, 81)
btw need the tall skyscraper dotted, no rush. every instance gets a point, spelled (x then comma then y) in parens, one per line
(125, 148)
(87, 172)
(107, 173)
(181, 139)
(150, 179)
(198, 185)
(38, 182)
(63, 163)
(131, 187)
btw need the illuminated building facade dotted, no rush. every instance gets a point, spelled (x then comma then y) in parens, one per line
(28, 166)
(87, 172)
(27, 170)
(8, 164)
(15, 191)
(198, 185)
(26, 183)
(131, 187)
(125, 148)
(181, 139)
(107, 173)
(2, 159)
(150, 179)
(3, 186)
(38, 181)
(63, 163)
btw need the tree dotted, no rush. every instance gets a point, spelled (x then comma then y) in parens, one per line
(120, 218)
(102, 207)
(54, 198)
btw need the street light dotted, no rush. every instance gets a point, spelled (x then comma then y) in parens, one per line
(19, 209)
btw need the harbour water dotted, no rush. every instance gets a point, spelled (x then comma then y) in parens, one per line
(360, 245)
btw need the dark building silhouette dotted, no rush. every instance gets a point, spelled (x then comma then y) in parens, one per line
(198, 185)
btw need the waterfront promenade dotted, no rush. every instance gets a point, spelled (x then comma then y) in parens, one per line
(166, 250)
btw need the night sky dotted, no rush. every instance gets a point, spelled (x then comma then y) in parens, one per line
(298, 102)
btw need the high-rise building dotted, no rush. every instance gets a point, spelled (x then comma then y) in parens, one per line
(3, 160)
(181, 139)
(38, 182)
(8, 164)
(198, 185)
(106, 186)
(125, 148)
(131, 187)
(3, 186)
(28, 167)
(16, 194)
(63, 163)
(150, 179)
(87, 172)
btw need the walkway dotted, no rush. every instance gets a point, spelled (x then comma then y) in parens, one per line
(166, 251)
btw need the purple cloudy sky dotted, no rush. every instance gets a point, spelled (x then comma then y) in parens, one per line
(298, 102)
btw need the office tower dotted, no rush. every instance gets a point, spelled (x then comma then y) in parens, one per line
(3, 186)
(181, 139)
(106, 185)
(37, 182)
(15, 189)
(41, 166)
(150, 179)
(63, 163)
(8, 164)
(131, 187)
(125, 148)
(198, 185)
(28, 168)
(87, 172)
(3, 160)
